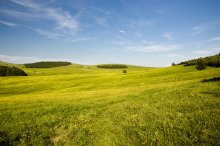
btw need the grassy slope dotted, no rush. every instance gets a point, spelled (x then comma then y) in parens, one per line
(83, 105)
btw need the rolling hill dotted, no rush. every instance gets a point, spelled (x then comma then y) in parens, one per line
(86, 105)
(213, 61)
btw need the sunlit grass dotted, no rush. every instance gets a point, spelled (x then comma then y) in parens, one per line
(84, 105)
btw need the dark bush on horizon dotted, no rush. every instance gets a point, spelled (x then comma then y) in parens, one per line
(112, 66)
(11, 71)
(213, 61)
(173, 64)
(200, 65)
(47, 64)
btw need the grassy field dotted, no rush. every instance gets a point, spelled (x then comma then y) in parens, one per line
(84, 105)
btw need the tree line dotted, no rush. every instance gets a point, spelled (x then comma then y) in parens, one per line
(11, 71)
(47, 64)
(112, 66)
(213, 61)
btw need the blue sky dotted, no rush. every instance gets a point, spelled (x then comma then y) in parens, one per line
(139, 32)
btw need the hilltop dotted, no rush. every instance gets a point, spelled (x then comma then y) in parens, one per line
(213, 61)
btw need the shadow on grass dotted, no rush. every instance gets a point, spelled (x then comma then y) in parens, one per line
(216, 94)
(211, 79)
(5, 139)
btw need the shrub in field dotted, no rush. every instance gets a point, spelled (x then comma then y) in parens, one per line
(200, 65)
(11, 71)
(112, 66)
(124, 71)
(46, 64)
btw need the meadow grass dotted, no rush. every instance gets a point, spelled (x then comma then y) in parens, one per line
(84, 105)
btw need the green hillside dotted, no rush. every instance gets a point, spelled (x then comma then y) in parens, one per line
(86, 105)
(2, 63)
(213, 61)
(11, 71)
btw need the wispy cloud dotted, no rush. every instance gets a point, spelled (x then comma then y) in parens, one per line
(25, 59)
(167, 35)
(101, 21)
(62, 18)
(142, 23)
(207, 51)
(18, 59)
(22, 15)
(215, 39)
(121, 31)
(147, 41)
(8, 23)
(150, 48)
(199, 29)
(121, 41)
(48, 34)
(54, 35)
(64, 24)
(202, 52)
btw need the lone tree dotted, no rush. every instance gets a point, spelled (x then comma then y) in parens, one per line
(173, 64)
(200, 65)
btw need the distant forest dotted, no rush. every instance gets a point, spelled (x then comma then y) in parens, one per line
(213, 61)
(47, 64)
(112, 66)
(11, 71)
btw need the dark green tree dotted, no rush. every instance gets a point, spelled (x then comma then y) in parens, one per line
(200, 65)
(112, 66)
(11, 71)
(47, 64)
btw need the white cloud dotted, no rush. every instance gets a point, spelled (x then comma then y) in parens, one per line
(49, 34)
(64, 26)
(153, 48)
(22, 15)
(121, 31)
(18, 59)
(200, 29)
(142, 23)
(8, 23)
(25, 59)
(215, 39)
(147, 42)
(207, 51)
(61, 18)
(120, 41)
(79, 39)
(202, 52)
(55, 35)
(167, 36)
(101, 21)
(26, 3)
(216, 49)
